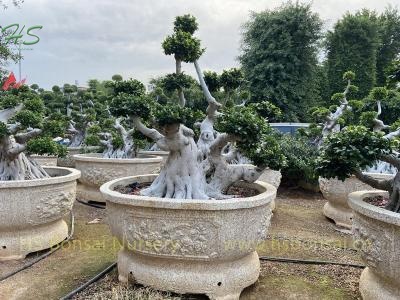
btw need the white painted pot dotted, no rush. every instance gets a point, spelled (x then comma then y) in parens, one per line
(32, 211)
(97, 170)
(377, 235)
(68, 161)
(337, 192)
(45, 160)
(189, 246)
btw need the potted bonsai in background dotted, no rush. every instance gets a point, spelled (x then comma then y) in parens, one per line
(82, 109)
(33, 199)
(120, 143)
(376, 229)
(189, 208)
(348, 112)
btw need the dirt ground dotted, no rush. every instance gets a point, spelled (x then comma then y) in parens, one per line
(298, 230)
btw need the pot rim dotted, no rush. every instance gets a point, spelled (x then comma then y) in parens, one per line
(73, 174)
(375, 175)
(357, 203)
(266, 196)
(83, 147)
(38, 156)
(157, 152)
(94, 157)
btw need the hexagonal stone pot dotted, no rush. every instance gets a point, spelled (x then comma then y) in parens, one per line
(32, 211)
(377, 235)
(189, 246)
(97, 170)
(337, 191)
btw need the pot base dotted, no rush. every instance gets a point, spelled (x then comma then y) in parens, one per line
(17, 244)
(217, 279)
(342, 216)
(89, 193)
(373, 287)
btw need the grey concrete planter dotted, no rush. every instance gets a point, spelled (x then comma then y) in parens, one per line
(337, 192)
(45, 160)
(97, 171)
(189, 246)
(68, 161)
(163, 154)
(32, 211)
(377, 235)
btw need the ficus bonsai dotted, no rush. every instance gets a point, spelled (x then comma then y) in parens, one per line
(199, 170)
(21, 123)
(358, 147)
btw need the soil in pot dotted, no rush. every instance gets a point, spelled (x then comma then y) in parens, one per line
(136, 187)
(378, 201)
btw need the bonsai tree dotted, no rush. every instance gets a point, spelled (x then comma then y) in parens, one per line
(199, 170)
(81, 112)
(110, 130)
(358, 147)
(20, 123)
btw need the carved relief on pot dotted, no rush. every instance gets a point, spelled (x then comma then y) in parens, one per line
(376, 244)
(58, 203)
(98, 176)
(172, 237)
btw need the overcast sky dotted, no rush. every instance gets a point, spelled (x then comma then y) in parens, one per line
(83, 39)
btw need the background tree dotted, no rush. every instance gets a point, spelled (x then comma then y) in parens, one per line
(353, 45)
(389, 46)
(279, 57)
(393, 73)
(116, 77)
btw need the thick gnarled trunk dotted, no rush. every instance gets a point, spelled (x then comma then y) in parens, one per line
(128, 149)
(15, 165)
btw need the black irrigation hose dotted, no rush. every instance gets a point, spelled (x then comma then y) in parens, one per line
(43, 256)
(265, 258)
(91, 204)
(310, 261)
(91, 281)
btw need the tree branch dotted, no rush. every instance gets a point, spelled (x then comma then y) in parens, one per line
(378, 124)
(120, 128)
(333, 118)
(213, 105)
(392, 135)
(182, 100)
(380, 184)
(24, 137)
(149, 132)
(8, 113)
(219, 143)
(391, 159)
